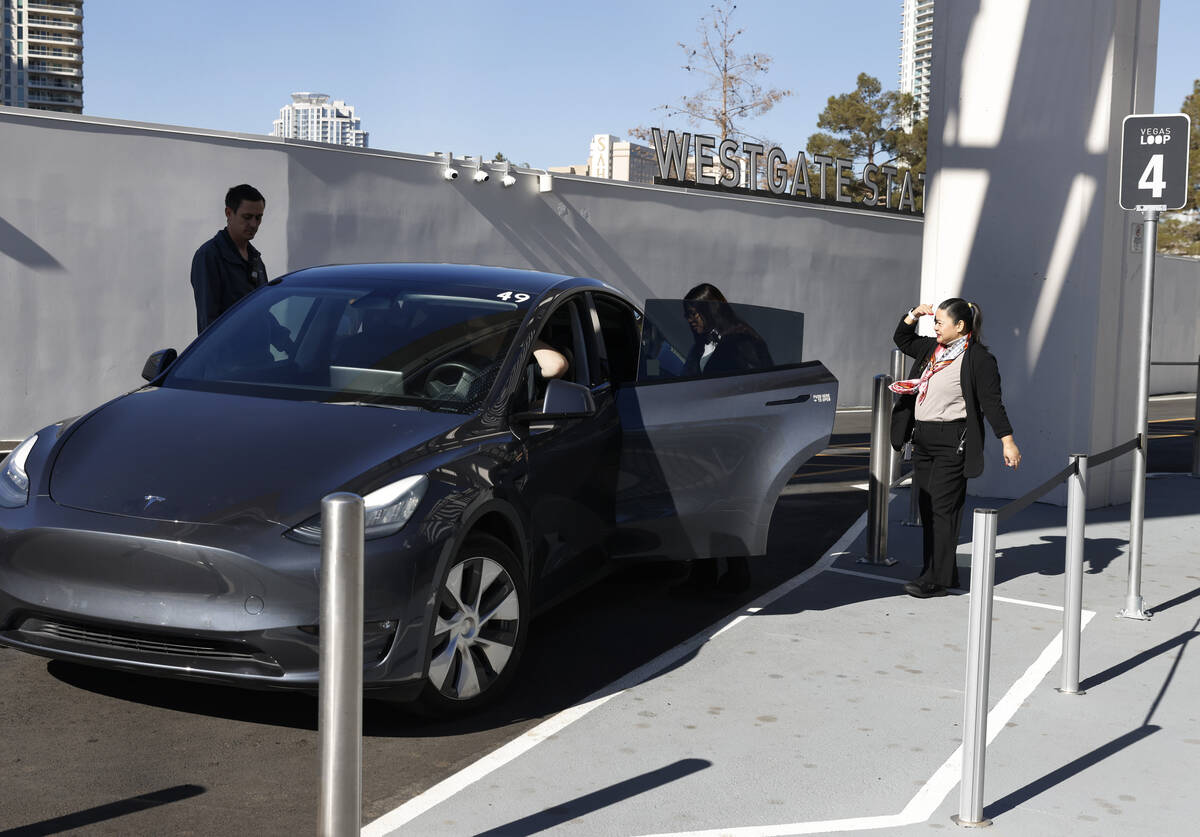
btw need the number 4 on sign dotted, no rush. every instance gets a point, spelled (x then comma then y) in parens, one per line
(1152, 177)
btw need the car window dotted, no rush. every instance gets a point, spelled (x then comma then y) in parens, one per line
(291, 315)
(620, 328)
(693, 339)
(346, 344)
(561, 333)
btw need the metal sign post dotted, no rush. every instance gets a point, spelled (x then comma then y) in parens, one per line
(1154, 164)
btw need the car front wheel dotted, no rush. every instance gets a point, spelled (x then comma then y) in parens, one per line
(481, 618)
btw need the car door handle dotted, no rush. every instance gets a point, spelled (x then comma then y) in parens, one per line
(799, 399)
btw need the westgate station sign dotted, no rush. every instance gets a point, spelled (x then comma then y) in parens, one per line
(837, 176)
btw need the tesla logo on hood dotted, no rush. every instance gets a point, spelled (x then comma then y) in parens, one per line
(151, 499)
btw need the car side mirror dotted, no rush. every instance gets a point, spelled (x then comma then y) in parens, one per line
(158, 362)
(567, 400)
(563, 400)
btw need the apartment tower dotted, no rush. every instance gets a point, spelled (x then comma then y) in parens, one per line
(43, 54)
(311, 116)
(916, 55)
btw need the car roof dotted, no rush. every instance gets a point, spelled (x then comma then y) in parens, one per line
(445, 276)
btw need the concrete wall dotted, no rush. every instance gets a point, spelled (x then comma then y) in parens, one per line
(1023, 217)
(99, 220)
(1176, 335)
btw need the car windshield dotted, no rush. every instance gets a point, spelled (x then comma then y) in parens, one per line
(370, 344)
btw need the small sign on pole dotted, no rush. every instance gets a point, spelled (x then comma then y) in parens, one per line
(1154, 161)
(1154, 178)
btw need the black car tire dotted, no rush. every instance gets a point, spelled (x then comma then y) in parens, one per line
(481, 620)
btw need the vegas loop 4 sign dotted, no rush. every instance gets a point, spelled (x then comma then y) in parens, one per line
(1154, 161)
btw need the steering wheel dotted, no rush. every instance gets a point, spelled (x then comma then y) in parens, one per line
(451, 380)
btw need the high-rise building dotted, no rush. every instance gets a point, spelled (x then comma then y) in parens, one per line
(614, 159)
(916, 55)
(311, 116)
(43, 54)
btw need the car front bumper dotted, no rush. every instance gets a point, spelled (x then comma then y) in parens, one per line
(234, 602)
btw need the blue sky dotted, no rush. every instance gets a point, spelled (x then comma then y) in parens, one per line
(532, 79)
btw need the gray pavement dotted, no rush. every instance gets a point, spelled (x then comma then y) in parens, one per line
(834, 704)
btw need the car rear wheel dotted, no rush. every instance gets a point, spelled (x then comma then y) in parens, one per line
(481, 621)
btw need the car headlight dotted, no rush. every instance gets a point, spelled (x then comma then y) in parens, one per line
(385, 510)
(14, 481)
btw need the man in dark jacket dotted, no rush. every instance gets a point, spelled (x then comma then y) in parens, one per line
(227, 267)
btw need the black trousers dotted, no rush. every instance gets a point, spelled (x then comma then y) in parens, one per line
(938, 464)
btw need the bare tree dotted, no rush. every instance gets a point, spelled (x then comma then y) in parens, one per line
(733, 92)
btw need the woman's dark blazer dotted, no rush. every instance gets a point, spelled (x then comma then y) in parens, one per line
(981, 390)
(736, 352)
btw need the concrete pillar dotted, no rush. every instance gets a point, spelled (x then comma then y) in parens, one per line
(1022, 217)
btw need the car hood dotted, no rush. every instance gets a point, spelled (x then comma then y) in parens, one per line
(204, 457)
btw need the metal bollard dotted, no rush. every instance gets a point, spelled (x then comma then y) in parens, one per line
(1196, 428)
(914, 497)
(878, 489)
(339, 725)
(979, 653)
(1073, 575)
(893, 454)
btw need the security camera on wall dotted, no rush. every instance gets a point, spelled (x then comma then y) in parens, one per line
(506, 178)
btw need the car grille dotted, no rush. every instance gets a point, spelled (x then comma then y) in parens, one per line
(133, 646)
(117, 639)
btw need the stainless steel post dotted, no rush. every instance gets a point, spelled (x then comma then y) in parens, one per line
(1137, 497)
(914, 500)
(892, 453)
(1073, 576)
(877, 488)
(979, 653)
(1196, 427)
(339, 725)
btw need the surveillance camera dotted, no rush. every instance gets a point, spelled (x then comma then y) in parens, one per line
(449, 173)
(481, 176)
(507, 180)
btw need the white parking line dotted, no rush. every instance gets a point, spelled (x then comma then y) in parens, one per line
(953, 591)
(931, 795)
(919, 809)
(392, 821)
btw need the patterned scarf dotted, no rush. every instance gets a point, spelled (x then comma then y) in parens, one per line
(943, 356)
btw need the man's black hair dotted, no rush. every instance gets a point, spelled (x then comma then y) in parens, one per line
(242, 192)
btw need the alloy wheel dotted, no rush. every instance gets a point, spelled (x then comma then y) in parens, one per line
(478, 621)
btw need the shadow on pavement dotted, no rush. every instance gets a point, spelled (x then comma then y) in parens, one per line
(1133, 662)
(1045, 783)
(1113, 747)
(92, 816)
(1178, 600)
(594, 801)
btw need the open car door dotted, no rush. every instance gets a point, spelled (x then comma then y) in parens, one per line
(718, 421)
